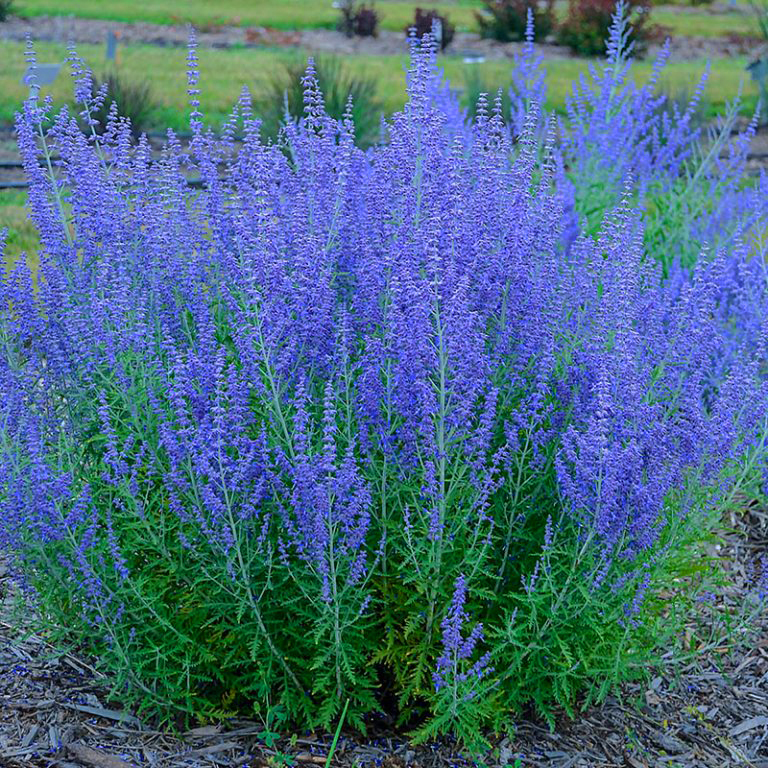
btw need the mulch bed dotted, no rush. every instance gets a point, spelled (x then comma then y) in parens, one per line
(712, 713)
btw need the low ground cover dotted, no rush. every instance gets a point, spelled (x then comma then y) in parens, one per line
(438, 430)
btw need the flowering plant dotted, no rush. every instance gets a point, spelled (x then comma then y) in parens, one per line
(341, 421)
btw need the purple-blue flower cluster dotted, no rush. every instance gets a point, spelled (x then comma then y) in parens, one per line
(458, 649)
(282, 438)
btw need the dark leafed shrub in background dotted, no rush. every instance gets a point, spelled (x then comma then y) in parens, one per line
(132, 98)
(428, 21)
(585, 29)
(358, 19)
(285, 93)
(505, 20)
(367, 22)
(6, 9)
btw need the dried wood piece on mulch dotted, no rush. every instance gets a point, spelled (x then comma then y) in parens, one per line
(95, 758)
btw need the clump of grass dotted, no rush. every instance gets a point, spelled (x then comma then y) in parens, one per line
(133, 98)
(759, 9)
(21, 235)
(283, 97)
(476, 83)
(679, 98)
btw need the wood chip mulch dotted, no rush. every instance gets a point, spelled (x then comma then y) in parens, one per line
(712, 713)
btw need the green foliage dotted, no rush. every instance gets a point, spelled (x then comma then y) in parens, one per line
(283, 97)
(195, 626)
(6, 9)
(274, 719)
(585, 29)
(679, 99)
(671, 210)
(505, 20)
(760, 11)
(475, 84)
(21, 235)
(133, 99)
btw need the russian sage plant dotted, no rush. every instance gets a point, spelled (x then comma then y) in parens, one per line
(354, 426)
(690, 183)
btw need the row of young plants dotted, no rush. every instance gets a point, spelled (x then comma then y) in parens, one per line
(432, 427)
(583, 30)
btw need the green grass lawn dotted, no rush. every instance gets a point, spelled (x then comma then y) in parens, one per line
(701, 24)
(22, 236)
(224, 71)
(287, 14)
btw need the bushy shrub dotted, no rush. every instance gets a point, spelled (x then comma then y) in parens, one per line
(691, 180)
(505, 20)
(427, 21)
(358, 19)
(345, 421)
(131, 99)
(283, 98)
(585, 29)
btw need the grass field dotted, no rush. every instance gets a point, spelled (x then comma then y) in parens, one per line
(395, 14)
(702, 24)
(224, 71)
(21, 234)
(286, 14)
